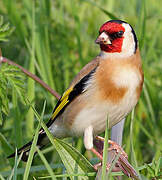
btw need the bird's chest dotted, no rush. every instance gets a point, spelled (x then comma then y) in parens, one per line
(119, 90)
(130, 80)
(114, 96)
(116, 82)
(123, 94)
(126, 77)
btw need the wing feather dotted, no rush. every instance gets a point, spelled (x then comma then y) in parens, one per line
(69, 95)
(62, 102)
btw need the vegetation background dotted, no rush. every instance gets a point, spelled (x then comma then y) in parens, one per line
(54, 40)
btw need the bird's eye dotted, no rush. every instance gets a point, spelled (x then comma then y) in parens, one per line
(120, 34)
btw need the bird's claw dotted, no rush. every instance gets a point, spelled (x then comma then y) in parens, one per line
(122, 162)
(127, 168)
(114, 146)
(96, 166)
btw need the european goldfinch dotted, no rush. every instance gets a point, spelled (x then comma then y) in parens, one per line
(107, 87)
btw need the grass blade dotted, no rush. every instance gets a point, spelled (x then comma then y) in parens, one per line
(14, 170)
(31, 83)
(92, 174)
(46, 164)
(31, 154)
(5, 145)
(73, 160)
(111, 15)
(105, 152)
(33, 147)
(33, 169)
(133, 156)
(1, 177)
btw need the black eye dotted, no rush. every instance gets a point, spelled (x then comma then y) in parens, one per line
(119, 34)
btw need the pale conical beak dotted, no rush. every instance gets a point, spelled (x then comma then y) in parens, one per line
(103, 38)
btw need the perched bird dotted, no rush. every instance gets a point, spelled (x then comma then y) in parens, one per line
(108, 86)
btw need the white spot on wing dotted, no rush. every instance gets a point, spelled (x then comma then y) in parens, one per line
(88, 137)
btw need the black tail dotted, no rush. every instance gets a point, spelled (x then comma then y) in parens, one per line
(25, 149)
(42, 141)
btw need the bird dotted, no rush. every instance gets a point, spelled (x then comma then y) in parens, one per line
(108, 87)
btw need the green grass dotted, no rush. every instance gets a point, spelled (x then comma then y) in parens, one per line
(54, 40)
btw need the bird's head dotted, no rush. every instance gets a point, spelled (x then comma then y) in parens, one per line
(118, 38)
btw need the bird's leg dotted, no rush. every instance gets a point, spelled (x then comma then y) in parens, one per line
(100, 157)
(97, 153)
(96, 166)
(122, 162)
(114, 146)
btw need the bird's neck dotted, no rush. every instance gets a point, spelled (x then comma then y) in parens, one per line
(114, 55)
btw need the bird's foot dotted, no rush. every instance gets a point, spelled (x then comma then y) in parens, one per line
(114, 146)
(127, 168)
(96, 166)
(115, 150)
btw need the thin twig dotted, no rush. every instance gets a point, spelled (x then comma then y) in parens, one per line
(34, 77)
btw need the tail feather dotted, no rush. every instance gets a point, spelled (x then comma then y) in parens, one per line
(42, 141)
(25, 149)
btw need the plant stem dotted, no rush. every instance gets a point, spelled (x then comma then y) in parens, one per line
(34, 77)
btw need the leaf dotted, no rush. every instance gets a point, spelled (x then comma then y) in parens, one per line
(1, 20)
(6, 146)
(4, 27)
(5, 30)
(150, 170)
(1, 117)
(112, 16)
(10, 78)
(158, 170)
(72, 159)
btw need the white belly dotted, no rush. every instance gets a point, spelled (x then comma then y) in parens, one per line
(98, 115)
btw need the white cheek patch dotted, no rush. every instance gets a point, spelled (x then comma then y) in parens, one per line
(128, 46)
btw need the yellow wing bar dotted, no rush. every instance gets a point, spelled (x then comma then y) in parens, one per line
(63, 101)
